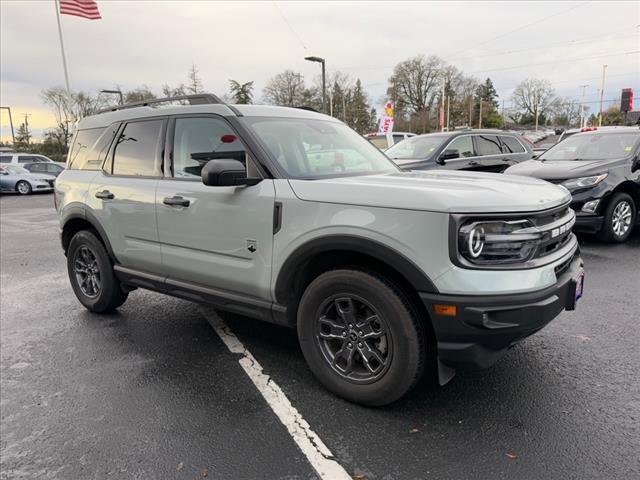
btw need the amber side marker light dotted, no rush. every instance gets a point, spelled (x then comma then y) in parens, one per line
(448, 310)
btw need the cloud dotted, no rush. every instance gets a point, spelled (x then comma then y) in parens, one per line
(153, 43)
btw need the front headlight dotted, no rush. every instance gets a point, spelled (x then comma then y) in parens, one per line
(584, 182)
(498, 242)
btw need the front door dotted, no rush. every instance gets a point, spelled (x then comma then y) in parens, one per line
(218, 237)
(122, 196)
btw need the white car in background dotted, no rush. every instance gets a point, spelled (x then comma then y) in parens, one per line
(17, 158)
(386, 140)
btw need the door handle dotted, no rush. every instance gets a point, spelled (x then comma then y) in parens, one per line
(105, 195)
(176, 201)
(473, 163)
(506, 159)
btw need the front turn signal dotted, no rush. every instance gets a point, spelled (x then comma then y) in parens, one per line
(447, 310)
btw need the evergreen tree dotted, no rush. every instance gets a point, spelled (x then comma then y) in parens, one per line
(487, 93)
(359, 111)
(23, 135)
(195, 83)
(242, 93)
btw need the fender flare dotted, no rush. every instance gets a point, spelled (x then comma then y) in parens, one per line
(392, 258)
(77, 212)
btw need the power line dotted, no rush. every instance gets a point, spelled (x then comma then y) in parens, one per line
(569, 43)
(520, 28)
(564, 60)
(284, 19)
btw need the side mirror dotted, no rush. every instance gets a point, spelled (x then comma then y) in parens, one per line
(226, 173)
(448, 155)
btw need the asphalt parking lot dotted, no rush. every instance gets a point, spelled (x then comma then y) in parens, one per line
(152, 391)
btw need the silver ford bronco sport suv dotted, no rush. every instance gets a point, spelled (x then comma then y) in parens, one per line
(289, 216)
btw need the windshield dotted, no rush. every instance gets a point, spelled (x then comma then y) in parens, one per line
(15, 169)
(416, 147)
(310, 148)
(593, 146)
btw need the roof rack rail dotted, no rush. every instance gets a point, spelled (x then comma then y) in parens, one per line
(197, 99)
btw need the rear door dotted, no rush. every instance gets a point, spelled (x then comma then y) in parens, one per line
(489, 150)
(122, 195)
(513, 151)
(217, 237)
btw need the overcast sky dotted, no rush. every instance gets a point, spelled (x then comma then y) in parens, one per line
(155, 42)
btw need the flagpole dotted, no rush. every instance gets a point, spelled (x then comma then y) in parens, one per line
(64, 56)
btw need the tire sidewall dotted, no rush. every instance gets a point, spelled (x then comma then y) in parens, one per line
(609, 234)
(107, 277)
(407, 339)
(24, 182)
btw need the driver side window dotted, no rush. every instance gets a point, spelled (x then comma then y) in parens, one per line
(198, 140)
(463, 146)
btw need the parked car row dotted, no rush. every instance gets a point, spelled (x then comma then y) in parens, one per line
(600, 167)
(26, 173)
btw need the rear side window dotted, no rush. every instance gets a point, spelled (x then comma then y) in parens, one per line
(5, 159)
(488, 145)
(137, 150)
(27, 159)
(81, 155)
(397, 138)
(36, 167)
(511, 145)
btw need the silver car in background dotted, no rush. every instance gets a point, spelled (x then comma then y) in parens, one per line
(14, 178)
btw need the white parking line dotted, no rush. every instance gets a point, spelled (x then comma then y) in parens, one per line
(314, 449)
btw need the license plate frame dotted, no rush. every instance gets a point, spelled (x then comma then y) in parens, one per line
(577, 290)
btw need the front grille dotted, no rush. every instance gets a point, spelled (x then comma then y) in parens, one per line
(564, 266)
(556, 227)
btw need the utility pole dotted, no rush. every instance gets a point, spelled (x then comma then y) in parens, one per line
(480, 115)
(441, 110)
(470, 122)
(604, 69)
(448, 110)
(504, 121)
(13, 134)
(582, 119)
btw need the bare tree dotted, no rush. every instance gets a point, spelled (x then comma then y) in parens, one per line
(195, 83)
(414, 86)
(139, 94)
(285, 89)
(566, 112)
(534, 97)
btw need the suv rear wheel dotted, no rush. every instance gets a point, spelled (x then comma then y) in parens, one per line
(619, 218)
(361, 337)
(91, 274)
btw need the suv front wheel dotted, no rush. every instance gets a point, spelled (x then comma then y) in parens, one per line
(361, 336)
(91, 274)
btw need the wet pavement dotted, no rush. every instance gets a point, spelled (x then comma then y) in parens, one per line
(152, 391)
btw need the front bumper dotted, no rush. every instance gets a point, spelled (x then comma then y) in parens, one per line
(484, 327)
(588, 223)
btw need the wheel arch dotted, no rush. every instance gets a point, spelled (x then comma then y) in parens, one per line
(334, 251)
(631, 188)
(78, 219)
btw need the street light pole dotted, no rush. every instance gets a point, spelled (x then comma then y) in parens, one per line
(582, 122)
(13, 134)
(324, 80)
(604, 69)
(115, 92)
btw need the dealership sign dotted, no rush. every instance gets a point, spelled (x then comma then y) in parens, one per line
(386, 122)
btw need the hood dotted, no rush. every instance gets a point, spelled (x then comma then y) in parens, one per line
(561, 169)
(441, 191)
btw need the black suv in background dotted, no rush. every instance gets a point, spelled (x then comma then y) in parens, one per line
(481, 150)
(601, 169)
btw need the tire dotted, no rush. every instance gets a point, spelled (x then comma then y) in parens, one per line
(619, 219)
(392, 341)
(23, 187)
(91, 274)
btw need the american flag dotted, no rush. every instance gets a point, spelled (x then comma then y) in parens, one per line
(80, 8)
